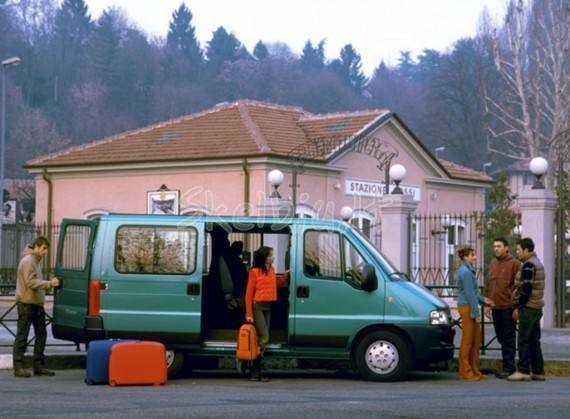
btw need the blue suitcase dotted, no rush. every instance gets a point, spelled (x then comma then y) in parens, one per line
(97, 365)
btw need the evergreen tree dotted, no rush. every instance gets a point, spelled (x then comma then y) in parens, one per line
(221, 48)
(73, 26)
(104, 51)
(260, 51)
(313, 58)
(182, 35)
(349, 68)
(406, 64)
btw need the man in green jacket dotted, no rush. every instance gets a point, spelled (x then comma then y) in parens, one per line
(30, 297)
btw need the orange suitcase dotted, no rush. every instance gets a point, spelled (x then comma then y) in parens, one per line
(138, 363)
(247, 345)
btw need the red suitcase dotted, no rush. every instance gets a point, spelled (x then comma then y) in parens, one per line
(138, 363)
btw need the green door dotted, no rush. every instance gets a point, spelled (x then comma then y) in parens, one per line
(73, 267)
(330, 306)
(153, 282)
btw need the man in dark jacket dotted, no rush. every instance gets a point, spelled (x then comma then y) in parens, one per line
(528, 301)
(500, 286)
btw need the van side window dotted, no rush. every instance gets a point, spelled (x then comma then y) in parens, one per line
(155, 250)
(321, 255)
(75, 246)
(353, 264)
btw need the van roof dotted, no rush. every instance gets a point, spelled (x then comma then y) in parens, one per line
(225, 219)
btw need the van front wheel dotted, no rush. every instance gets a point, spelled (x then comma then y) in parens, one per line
(382, 356)
(174, 362)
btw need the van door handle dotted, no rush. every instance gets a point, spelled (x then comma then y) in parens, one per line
(193, 289)
(303, 292)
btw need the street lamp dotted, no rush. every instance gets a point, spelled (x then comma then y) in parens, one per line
(538, 167)
(9, 62)
(485, 166)
(398, 173)
(275, 178)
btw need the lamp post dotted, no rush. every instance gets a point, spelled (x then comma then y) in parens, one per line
(485, 166)
(398, 173)
(538, 167)
(10, 62)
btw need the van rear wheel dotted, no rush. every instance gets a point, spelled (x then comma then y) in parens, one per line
(382, 356)
(174, 362)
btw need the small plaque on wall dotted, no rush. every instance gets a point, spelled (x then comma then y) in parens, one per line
(163, 202)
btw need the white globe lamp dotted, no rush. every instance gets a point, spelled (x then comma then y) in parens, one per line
(346, 213)
(398, 173)
(275, 178)
(538, 166)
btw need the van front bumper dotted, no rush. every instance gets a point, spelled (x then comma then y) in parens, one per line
(432, 343)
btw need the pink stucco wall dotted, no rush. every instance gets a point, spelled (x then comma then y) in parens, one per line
(220, 189)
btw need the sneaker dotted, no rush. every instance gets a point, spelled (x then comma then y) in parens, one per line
(537, 377)
(503, 375)
(519, 376)
(44, 372)
(22, 373)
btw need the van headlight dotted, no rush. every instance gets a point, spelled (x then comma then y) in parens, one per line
(439, 317)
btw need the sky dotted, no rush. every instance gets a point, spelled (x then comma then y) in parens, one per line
(378, 29)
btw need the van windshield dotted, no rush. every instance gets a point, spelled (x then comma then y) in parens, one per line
(390, 270)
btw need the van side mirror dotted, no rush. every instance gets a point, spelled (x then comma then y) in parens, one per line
(369, 280)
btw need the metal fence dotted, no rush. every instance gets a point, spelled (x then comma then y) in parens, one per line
(15, 238)
(433, 243)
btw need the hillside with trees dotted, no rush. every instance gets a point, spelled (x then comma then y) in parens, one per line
(499, 96)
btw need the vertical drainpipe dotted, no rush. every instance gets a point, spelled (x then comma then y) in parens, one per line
(47, 179)
(246, 199)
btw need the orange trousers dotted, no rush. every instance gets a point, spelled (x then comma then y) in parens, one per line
(470, 345)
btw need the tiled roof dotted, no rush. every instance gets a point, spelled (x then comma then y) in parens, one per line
(242, 128)
(462, 172)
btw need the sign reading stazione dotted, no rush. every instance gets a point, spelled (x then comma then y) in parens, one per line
(373, 189)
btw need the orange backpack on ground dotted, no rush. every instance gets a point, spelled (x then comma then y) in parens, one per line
(247, 345)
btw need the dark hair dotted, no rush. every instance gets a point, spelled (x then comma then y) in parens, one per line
(465, 251)
(502, 240)
(260, 256)
(526, 243)
(39, 242)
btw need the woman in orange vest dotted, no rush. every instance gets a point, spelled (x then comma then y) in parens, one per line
(261, 291)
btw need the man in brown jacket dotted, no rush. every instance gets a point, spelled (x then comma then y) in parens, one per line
(500, 286)
(30, 298)
(528, 302)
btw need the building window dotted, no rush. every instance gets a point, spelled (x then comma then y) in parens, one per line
(363, 221)
(305, 211)
(155, 250)
(194, 210)
(95, 214)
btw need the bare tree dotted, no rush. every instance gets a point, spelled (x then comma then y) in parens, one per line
(531, 56)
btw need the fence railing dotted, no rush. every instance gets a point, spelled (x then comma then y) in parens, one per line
(433, 243)
(15, 238)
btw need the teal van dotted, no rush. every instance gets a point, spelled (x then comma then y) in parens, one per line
(169, 279)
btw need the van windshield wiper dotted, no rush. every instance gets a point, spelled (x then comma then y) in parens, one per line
(402, 275)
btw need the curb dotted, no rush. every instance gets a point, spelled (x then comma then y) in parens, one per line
(553, 368)
(54, 362)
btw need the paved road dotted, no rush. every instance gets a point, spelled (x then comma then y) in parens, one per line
(295, 395)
